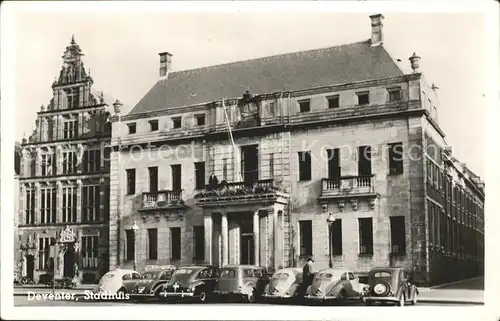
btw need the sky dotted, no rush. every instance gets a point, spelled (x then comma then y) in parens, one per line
(121, 49)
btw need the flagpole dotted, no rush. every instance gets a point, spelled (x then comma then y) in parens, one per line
(231, 138)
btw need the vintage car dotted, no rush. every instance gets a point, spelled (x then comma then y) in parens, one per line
(153, 279)
(118, 282)
(285, 284)
(333, 284)
(196, 282)
(389, 284)
(241, 281)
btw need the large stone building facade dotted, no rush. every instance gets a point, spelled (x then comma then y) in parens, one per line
(63, 212)
(333, 153)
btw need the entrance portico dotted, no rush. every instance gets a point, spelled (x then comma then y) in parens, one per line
(244, 229)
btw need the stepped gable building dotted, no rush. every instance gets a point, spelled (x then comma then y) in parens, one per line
(337, 154)
(64, 180)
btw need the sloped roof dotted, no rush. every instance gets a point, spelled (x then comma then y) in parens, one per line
(301, 70)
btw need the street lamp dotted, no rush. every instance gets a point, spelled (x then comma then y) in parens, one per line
(330, 220)
(135, 228)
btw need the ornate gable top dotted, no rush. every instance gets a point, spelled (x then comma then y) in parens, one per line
(72, 51)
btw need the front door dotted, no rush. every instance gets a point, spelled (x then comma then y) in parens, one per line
(30, 266)
(69, 261)
(247, 244)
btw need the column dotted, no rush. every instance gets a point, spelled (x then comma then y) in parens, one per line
(79, 201)
(208, 227)
(275, 239)
(102, 199)
(225, 236)
(59, 202)
(38, 203)
(256, 237)
(59, 160)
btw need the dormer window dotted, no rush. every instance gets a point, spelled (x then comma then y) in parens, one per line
(132, 127)
(333, 101)
(363, 98)
(394, 94)
(200, 119)
(153, 124)
(177, 121)
(305, 106)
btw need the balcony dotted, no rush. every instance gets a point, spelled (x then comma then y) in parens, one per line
(162, 200)
(249, 191)
(348, 186)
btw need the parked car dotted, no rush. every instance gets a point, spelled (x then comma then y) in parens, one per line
(118, 281)
(286, 284)
(46, 279)
(62, 283)
(241, 281)
(191, 282)
(389, 284)
(152, 281)
(333, 284)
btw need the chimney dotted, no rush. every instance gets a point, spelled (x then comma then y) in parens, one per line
(165, 63)
(377, 29)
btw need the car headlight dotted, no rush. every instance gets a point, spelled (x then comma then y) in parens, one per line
(379, 288)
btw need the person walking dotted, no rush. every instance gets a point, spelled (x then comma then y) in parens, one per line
(307, 274)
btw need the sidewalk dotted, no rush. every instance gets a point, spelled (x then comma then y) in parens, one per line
(469, 291)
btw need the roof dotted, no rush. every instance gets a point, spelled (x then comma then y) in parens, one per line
(287, 72)
(241, 266)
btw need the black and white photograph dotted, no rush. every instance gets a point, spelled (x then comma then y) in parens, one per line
(249, 160)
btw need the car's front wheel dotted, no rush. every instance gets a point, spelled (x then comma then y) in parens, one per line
(202, 297)
(251, 296)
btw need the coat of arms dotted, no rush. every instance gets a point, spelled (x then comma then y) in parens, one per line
(249, 111)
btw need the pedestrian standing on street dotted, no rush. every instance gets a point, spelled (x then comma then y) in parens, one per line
(307, 273)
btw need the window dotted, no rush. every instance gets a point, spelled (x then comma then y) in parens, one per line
(224, 169)
(177, 122)
(199, 242)
(45, 262)
(130, 239)
(175, 243)
(305, 106)
(153, 179)
(48, 164)
(48, 205)
(305, 234)
(398, 243)
(363, 98)
(395, 158)
(153, 124)
(394, 94)
(199, 173)
(152, 243)
(364, 161)
(91, 161)
(271, 165)
(333, 101)
(130, 181)
(365, 236)
(30, 206)
(132, 127)
(69, 204)
(70, 129)
(200, 119)
(69, 162)
(90, 251)
(107, 157)
(334, 171)
(304, 166)
(176, 177)
(336, 237)
(91, 201)
(272, 109)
